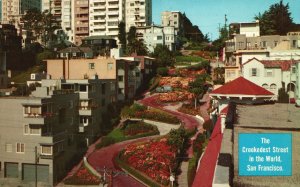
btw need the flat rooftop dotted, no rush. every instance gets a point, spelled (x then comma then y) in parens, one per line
(273, 116)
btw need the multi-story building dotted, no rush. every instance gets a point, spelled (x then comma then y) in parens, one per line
(67, 18)
(54, 7)
(39, 138)
(269, 47)
(125, 72)
(10, 47)
(81, 20)
(157, 35)
(138, 13)
(12, 10)
(105, 16)
(271, 74)
(173, 18)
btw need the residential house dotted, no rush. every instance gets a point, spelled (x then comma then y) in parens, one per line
(157, 35)
(241, 48)
(240, 91)
(271, 74)
(101, 45)
(39, 137)
(76, 52)
(297, 89)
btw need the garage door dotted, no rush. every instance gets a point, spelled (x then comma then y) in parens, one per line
(11, 170)
(29, 172)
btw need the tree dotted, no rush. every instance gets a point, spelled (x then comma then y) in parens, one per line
(122, 34)
(164, 57)
(42, 24)
(197, 87)
(134, 45)
(276, 20)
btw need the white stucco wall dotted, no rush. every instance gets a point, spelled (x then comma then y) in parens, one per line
(262, 77)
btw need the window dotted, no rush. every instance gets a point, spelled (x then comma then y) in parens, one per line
(293, 70)
(159, 37)
(253, 72)
(120, 78)
(26, 129)
(8, 147)
(230, 73)
(264, 44)
(273, 88)
(20, 148)
(110, 66)
(103, 88)
(35, 130)
(294, 43)
(275, 43)
(91, 65)
(265, 86)
(46, 149)
(269, 73)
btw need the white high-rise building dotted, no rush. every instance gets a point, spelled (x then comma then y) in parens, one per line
(12, 10)
(138, 13)
(105, 16)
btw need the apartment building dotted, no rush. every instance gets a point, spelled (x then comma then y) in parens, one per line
(81, 20)
(173, 18)
(12, 10)
(105, 16)
(40, 128)
(54, 7)
(101, 45)
(297, 89)
(125, 72)
(157, 35)
(138, 13)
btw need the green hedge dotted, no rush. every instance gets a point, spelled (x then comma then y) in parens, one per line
(147, 180)
(192, 170)
(117, 136)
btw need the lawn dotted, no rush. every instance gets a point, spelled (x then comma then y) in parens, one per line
(188, 59)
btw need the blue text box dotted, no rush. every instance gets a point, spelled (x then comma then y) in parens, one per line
(265, 154)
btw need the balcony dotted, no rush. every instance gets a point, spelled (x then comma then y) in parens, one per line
(85, 111)
(81, 129)
(37, 119)
(113, 13)
(113, 5)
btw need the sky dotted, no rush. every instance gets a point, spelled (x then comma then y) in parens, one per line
(208, 14)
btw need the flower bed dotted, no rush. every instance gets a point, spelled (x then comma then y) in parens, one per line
(175, 96)
(157, 115)
(175, 82)
(189, 109)
(139, 111)
(153, 158)
(139, 127)
(82, 177)
(132, 130)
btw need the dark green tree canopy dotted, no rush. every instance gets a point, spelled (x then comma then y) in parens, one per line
(134, 45)
(276, 20)
(122, 34)
(164, 57)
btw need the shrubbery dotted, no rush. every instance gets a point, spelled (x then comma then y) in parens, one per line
(163, 71)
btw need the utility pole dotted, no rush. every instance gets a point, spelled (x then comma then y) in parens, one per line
(36, 162)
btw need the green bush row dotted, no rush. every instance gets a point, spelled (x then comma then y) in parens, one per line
(188, 59)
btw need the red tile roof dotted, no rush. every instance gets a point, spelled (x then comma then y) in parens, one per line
(241, 86)
(285, 65)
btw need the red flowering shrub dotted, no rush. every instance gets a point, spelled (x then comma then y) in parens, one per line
(154, 158)
(83, 177)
